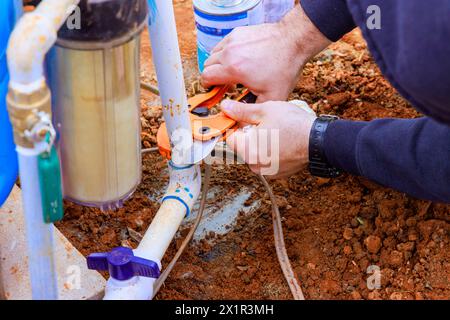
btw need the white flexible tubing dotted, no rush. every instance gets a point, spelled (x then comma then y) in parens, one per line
(185, 184)
(32, 38)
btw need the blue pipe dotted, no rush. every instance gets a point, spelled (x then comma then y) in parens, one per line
(10, 11)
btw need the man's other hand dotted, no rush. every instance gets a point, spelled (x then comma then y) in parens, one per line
(274, 136)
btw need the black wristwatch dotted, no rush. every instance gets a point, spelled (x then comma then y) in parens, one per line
(318, 163)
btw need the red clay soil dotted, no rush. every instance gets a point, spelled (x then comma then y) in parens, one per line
(334, 229)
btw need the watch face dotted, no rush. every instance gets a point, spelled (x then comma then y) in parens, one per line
(318, 163)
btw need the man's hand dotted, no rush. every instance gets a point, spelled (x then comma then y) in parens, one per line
(268, 59)
(274, 136)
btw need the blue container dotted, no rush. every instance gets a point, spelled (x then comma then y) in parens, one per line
(10, 10)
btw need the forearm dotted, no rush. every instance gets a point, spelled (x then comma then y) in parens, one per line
(408, 155)
(299, 29)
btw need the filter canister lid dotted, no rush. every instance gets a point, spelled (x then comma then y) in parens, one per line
(105, 20)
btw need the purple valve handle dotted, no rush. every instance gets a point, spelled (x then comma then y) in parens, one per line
(122, 264)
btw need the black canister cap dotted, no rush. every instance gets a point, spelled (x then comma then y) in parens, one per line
(105, 20)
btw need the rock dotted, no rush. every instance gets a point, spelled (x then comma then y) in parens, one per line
(419, 296)
(246, 279)
(108, 237)
(412, 236)
(368, 213)
(139, 222)
(337, 99)
(354, 223)
(348, 233)
(242, 268)
(359, 231)
(387, 276)
(322, 181)
(355, 197)
(307, 84)
(396, 296)
(406, 246)
(395, 258)
(411, 222)
(373, 244)
(126, 244)
(281, 201)
(374, 295)
(386, 208)
(310, 266)
(347, 250)
(356, 295)
(368, 184)
(283, 183)
(153, 112)
(187, 275)
(330, 286)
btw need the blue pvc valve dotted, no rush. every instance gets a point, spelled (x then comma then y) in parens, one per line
(122, 264)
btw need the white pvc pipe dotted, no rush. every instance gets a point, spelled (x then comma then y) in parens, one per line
(169, 71)
(32, 38)
(185, 185)
(185, 181)
(39, 234)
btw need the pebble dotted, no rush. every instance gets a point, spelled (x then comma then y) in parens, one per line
(246, 279)
(281, 201)
(396, 296)
(322, 181)
(311, 266)
(187, 275)
(356, 295)
(406, 246)
(337, 99)
(373, 244)
(354, 223)
(347, 250)
(374, 295)
(418, 296)
(396, 258)
(348, 233)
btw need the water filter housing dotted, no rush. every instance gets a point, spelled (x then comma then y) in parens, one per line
(94, 78)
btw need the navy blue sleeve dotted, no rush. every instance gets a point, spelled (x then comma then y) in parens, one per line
(410, 155)
(331, 17)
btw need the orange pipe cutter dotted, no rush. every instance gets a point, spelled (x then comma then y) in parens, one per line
(205, 126)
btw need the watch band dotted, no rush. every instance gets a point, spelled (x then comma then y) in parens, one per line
(318, 163)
